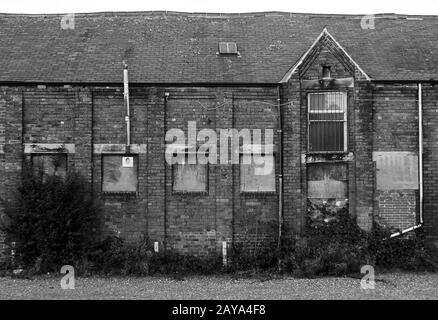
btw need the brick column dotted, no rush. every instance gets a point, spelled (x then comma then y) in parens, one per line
(363, 134)
(294, 205)
(11, 148)
(83, 132)
(155, 164)
(224, 176)
(430, 162)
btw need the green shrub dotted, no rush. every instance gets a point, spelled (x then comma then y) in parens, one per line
(404, 253)
(114, 256)
(171, 262)
(243, 258)
(54, 221)
(339, 247)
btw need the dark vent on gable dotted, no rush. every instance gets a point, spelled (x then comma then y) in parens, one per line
(326, 72)
(228, 48)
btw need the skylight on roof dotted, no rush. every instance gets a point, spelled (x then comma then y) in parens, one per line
(228, 48)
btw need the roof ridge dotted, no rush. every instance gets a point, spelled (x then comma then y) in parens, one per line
(214, 14)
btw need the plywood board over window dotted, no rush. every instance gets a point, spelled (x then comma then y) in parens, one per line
(327, 180)
(190, 177)
(256, 177)
(50, 164)
(396, 170)
(118, 177)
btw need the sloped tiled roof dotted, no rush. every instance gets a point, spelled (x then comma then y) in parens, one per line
(172, 47)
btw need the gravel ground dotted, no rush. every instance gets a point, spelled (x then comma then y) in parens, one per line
(388, 286)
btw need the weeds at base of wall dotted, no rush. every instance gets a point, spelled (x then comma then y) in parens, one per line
(113, 256)
(302, 258)
(339, 247)
(58, 224)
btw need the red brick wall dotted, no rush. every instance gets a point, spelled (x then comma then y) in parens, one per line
(2, 157)
(198, 223)
(359, 154)
(430, 161)
(397, 208)
(201, 221)
(124, 213)
(94, 115)
(11, 109)
(395, 109)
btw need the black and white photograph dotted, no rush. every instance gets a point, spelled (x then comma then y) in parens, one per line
(218, 156)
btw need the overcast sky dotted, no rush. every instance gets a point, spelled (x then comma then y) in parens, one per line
(429, 7)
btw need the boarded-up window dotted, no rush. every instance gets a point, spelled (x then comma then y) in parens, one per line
(119, 175)
(189, 177)
(327, 180)
(50, 164)
(396, 170)
(256, 177)
(327, 121)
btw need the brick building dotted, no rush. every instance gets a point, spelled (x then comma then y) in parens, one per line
(344, 103)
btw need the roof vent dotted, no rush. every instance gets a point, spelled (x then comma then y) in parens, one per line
(326, 72)
(228, 48)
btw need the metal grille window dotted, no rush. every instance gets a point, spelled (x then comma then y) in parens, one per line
(327, 121)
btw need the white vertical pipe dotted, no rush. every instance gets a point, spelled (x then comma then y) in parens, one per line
(224, 253)
(126, 100)
(420, 163)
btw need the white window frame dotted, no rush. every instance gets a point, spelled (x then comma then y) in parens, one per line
(344, 120)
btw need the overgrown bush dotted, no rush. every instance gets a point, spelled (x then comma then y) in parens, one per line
(339, 246)
(243, 258)
(334, 248)
(404, 253)
(53, 221)
(114, 256)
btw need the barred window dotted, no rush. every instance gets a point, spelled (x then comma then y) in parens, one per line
(327, 121)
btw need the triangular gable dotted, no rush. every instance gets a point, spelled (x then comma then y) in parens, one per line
(322, 35)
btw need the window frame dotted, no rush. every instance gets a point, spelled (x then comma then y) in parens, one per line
(42, 154)
(228, 45)
(188, 192)
(241, 154)
(336, 163)
(136, 172)
(344, 94)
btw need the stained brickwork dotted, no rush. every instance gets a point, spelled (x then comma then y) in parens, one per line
(395, 109)
(2, 158)
(381, 117)
(430, 161)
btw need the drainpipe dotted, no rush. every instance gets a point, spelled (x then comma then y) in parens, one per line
(420, 164)
(280, 176)
(126, 101)
(166, 98)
